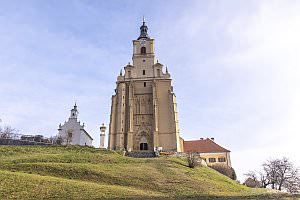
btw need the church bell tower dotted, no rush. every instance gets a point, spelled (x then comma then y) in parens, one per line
(143, 110)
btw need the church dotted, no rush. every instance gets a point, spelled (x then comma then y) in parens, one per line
(72, 132)
(143, 109)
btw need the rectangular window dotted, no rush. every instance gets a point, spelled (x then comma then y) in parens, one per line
(211, 159)
(144, 84)
(222, 159)
(144, 72)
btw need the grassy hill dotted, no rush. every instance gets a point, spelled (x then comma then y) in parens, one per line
(36, 172)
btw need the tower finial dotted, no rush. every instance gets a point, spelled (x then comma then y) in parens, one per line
(143, 29)
(75, 105)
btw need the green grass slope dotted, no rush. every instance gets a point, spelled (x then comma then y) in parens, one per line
(35, 172)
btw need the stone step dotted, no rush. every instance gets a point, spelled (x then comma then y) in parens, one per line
(141, 154)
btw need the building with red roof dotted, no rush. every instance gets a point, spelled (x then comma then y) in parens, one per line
(208, 150)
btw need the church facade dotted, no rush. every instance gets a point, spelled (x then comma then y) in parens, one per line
(72, 132)
(143, 110)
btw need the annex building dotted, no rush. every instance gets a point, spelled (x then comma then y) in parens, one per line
(209, 151)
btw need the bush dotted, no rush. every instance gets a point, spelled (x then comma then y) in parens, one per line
(194, 160)
(166, 153)
(191, 160)
(250, 182)
(225, 170)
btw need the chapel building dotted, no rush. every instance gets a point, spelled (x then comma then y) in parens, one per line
(143, 110)
(72, 132)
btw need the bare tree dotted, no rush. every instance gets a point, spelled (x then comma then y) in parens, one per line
(279, 171)
(57, 140)
(270, 168)
(285, 172)
(278, 174)
(8, 132)
(264, 181)
(252, 175)
(292, 184)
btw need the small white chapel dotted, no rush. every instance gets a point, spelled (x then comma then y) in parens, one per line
(72, 132)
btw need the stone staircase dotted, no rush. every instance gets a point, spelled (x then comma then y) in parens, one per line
(141, 154)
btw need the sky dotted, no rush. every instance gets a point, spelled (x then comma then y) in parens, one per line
(234, 64)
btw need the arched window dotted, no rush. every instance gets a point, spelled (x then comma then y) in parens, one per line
(143, 50)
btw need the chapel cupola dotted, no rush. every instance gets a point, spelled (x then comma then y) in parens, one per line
(144, 29)
(74, 112)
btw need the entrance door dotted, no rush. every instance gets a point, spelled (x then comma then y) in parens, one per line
(143, 146)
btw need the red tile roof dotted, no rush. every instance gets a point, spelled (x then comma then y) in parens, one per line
(202, 146)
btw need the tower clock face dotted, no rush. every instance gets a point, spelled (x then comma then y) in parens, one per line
(143, 42)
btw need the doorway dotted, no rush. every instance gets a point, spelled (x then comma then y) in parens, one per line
(143, 146)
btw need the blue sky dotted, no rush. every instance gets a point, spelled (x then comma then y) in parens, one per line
(235, 67)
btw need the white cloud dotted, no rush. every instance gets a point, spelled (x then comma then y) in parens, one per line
(243, 62)
(267, 44)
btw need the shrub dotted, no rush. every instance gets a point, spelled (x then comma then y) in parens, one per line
(166, 153)
(193, 161)
(250, 182)
(225, 170)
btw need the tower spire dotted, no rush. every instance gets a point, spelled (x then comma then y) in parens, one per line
(143, 29)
